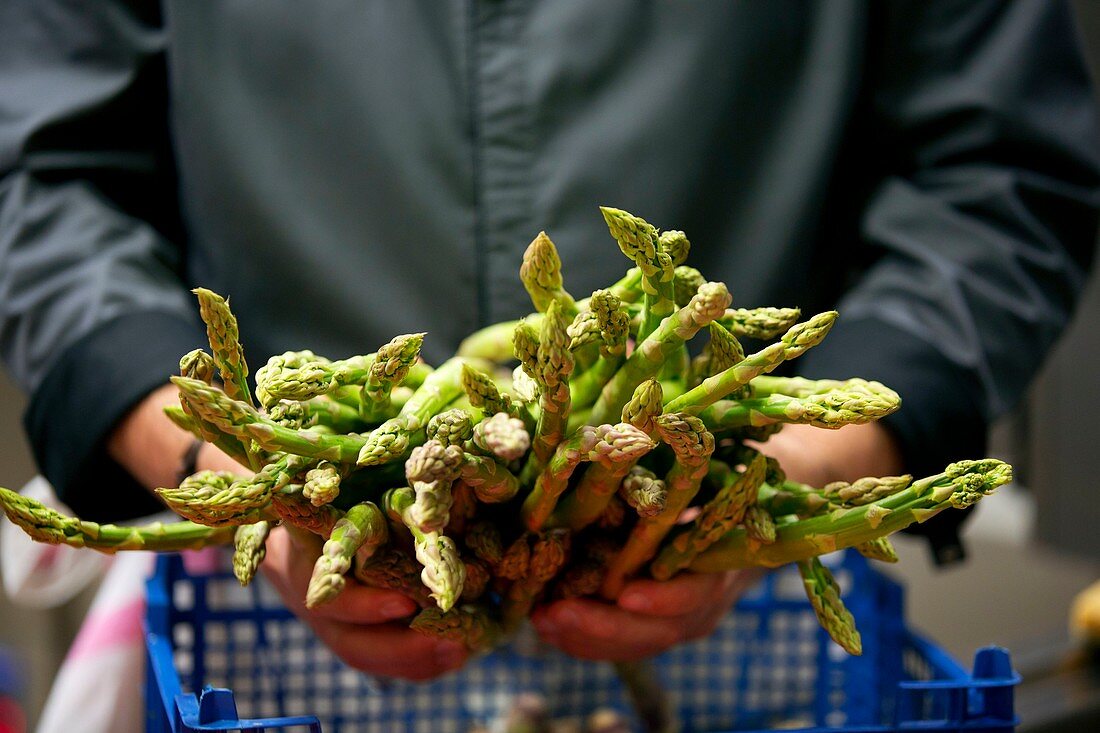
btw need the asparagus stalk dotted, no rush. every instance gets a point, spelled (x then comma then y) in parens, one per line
(222, 499)
(759, 525)
(541, 276)
(829, 410)
(431, 469)
(221, 330)
(47, 525)
(443, 571)
(719, 515)
(516, 560)
(390, 367)
(613, 324)
(644, 492)
(960, 485)
(625, 445)
(525, 389)
(483, 393)
(548, 556)
(356, 534)
(392, 569)
(760, 323)
(393, 438)
(249, 550)
(644, 406)
(824, 594)
(199, 365)
(311, 379)
(639, 241)
(676, 245)
(794, 343)
(242, 420)
(483, 539)
(490, 481)
(693, 446)
(610, 445)
(292, 508)
(648, 357)
(555, 364)
(451, 427)
(470, 625)
(322, 484)
(502, 437)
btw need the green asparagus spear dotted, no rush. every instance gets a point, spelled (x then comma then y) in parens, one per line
(644, 492)
(828, 410)
(451, 427)
(608, 444)
(541, 276)
(443, 572)
(503, 437)
(725, 511)
(548, 555)
(357, 534)
(395, 437)
(390, 367)
(960, 485)
(793, 344)
(240, 419)
(431, 469)
(221, 330)
(824, 594)
(47, 525)
(650, 355)
(693, 446)
(638, 240)
(759, 323)
(249, 550)
(470, 625)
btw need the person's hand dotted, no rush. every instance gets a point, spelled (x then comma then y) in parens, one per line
(816, 457)
(366, 627)
(649, 617)
(652, 616)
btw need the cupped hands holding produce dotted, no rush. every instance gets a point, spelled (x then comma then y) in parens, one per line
(483, 494)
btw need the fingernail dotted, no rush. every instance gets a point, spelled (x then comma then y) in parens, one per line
(450, 655)
(632, 601)
(396, 609)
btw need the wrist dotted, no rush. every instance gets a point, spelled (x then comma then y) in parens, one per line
(147, 444)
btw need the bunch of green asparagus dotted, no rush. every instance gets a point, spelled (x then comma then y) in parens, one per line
(480, 490)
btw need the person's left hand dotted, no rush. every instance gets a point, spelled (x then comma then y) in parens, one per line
(649, 617)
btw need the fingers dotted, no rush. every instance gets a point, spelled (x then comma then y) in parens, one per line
(687, 592)
(361, 624)
(590, 629)
(687, 608)
(681, 595)
(391, 650)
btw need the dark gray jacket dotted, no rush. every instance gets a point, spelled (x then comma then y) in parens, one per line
(351, 170)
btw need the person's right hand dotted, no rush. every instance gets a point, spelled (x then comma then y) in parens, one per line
(366, 627)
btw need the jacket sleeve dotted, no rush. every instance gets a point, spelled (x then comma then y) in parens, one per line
(93, 311)
(982, 219)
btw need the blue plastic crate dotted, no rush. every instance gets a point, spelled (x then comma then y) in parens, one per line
(767, 666)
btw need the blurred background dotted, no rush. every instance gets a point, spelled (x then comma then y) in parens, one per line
(1031, 549)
